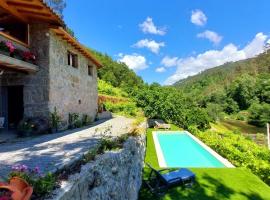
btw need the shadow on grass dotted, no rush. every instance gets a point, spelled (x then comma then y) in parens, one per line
(208, 189)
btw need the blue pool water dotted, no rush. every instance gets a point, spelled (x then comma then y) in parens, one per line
(180, 150)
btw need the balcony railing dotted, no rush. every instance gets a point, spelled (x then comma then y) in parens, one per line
(12, 39)
(15, 55)
(9, 63)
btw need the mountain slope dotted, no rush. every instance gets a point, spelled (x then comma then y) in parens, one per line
(218, 78)
(117, 74)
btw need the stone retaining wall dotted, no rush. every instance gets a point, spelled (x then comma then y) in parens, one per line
(112, 176)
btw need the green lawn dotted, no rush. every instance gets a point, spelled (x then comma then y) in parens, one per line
(243, 127)
(211, 184)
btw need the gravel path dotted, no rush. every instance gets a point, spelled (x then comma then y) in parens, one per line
(51, 152)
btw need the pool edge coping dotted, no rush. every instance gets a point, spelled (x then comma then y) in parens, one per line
(160, 155)
(159, 152)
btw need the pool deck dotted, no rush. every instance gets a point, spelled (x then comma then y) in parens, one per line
(161, 159)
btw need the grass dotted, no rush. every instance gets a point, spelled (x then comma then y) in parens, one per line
(211, 184)
(237, 125)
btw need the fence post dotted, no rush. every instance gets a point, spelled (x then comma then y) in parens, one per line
(268, 135)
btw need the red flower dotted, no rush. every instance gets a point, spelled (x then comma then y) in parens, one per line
(27, 55)
(4, 198)
(10, 46)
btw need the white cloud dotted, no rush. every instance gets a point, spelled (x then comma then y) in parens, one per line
(169, 61)
(160, 69)
(193, 65)
(148, 26)
(198, 17)
(152, 45)
(210, 35)
(255, 46)
(134, 61)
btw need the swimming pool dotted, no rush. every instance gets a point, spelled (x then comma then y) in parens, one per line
(182, 149)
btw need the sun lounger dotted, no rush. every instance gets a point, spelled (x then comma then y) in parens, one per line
(159, 182)
(162, 126)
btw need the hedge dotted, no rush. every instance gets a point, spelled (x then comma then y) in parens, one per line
(240, 151)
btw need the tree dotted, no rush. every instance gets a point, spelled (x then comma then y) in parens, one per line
(231, 106)
(214, 111)
(242, 91)
(259, 114)
(57, 5)
(263, 88)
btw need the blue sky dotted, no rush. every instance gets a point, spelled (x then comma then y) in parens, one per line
(165, 41)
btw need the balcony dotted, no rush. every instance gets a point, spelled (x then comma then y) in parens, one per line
(9, 63)
(15, 56)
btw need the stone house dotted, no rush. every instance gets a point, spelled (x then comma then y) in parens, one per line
(42, 66)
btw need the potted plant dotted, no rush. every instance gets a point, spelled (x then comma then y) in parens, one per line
(36, 181)
(86, 120)
(73, 119)
(10, 48)
(25, 128)
(5, 194)
(29, 57)
(55, 120)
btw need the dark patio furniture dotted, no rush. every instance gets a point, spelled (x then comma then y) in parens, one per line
(159, 181)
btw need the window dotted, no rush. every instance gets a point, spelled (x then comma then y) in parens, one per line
(90, 70)
(72, 59)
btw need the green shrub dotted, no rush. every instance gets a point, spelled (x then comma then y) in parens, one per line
(259, 114)
(214, 111)
(107, 89)
(55, 119)
(193, 129)
(171, 105)
(240, 151)
(125, 108)
(86, 120)
(107, 144)
(74, 120)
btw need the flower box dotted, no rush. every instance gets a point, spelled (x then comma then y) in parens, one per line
(4, 53)
(7, 48)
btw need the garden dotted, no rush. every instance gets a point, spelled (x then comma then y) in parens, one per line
(39, 125)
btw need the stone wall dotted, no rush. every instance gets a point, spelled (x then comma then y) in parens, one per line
(112, 176)
(56, 84)
(72, 90)
(36, 91)
(35, 86)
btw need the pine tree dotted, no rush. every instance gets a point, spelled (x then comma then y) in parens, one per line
(57, 5)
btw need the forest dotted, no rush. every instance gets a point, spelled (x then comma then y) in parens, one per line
(239, 90)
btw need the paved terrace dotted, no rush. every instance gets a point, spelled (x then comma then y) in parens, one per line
(51, 152)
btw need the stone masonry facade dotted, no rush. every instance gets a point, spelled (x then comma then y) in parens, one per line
(35, 86)
(69, 89)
